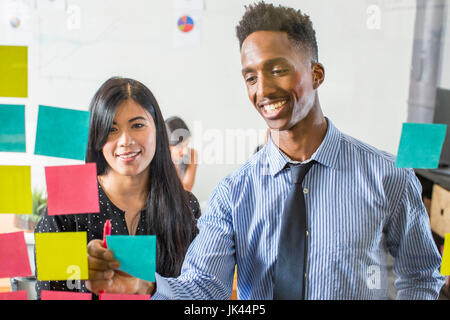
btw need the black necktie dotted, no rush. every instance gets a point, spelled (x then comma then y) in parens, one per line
(290, 267)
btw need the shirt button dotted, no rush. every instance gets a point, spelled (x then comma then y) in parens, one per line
(305, 275)
(307, 233)
(305, 190)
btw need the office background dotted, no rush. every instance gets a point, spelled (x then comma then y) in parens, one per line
(366, 47)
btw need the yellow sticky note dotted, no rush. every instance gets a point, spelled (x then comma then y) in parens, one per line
(14, 71)
(445, 267)
(15, 189)
(61, 256)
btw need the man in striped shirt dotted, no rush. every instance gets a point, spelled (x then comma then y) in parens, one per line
(359, 206)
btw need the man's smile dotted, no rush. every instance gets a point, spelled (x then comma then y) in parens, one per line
(272, 109)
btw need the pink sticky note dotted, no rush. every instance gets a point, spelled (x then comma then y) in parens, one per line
(14, 260)
(112, 296)
(14, 295)
(72, 189)
(65, 295)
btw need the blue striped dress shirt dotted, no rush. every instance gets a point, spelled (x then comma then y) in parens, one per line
(359, 206)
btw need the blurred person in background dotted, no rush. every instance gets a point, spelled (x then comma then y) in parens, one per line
(184, 157)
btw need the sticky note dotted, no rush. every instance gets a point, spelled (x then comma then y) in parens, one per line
(445, 267)
(420, 145)
(14, 261)
(65, 295)
(15, 189)
(111, 296)
(62, 133)
(136, 254)
(61, 256)
(12, 130)
(14, 295)
(72, 189)
(14, 71)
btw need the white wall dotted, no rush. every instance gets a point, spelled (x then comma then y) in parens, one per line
(444, 76)
(365, 92)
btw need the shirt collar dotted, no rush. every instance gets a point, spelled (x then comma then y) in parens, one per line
(326, 154)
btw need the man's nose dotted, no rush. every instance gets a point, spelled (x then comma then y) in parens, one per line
(264, 87)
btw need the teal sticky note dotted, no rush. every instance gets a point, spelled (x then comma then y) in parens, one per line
(136, 254)
(420, 145)
(12, 129)
(62, 133)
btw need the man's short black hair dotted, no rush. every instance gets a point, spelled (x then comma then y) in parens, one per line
(266, 17)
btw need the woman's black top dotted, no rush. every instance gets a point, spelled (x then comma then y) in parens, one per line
(93, 225)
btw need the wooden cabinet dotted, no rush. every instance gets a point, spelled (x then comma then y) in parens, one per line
(440, 211)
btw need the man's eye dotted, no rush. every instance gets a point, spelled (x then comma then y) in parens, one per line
(251, 79)
(278, 71)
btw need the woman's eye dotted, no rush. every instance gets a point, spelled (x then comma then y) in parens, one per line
(138, 125)
(112, 130)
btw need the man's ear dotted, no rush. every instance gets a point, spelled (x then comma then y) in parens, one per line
(318, 74)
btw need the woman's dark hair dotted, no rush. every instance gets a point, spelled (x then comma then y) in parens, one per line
(177, 130)
(267, 17)
(168, 212)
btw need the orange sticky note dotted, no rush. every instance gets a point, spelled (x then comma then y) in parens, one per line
(445, 266)
(64, 295)
(14, 295)
(113, 296)
(14, 260)
(72, 189)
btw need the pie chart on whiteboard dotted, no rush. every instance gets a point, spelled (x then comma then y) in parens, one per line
(185, 24)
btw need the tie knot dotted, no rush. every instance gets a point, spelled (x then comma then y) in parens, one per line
(299, 171)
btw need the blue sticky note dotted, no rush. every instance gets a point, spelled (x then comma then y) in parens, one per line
(62, 133)
(420, 145)
(136, 254)
(12, 129)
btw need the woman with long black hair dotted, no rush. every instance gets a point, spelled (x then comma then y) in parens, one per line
(139, 189)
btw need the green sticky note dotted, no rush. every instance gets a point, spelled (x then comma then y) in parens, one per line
(136, 254)
(420, 145)
(445, 267)
(61, 256)
(62, 133)
(14, 71)
(15, 189)
(12, 130)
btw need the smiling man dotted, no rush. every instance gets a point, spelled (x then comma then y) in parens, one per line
(356, 205)
(314, 213)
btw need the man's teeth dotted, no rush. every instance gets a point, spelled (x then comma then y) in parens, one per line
(274, 106)
(130, 155)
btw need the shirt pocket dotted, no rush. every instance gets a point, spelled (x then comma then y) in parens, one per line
(358, 274)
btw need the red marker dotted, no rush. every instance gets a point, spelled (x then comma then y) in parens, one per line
(106, 232)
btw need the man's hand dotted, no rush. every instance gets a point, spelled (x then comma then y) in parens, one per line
(103, 273)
